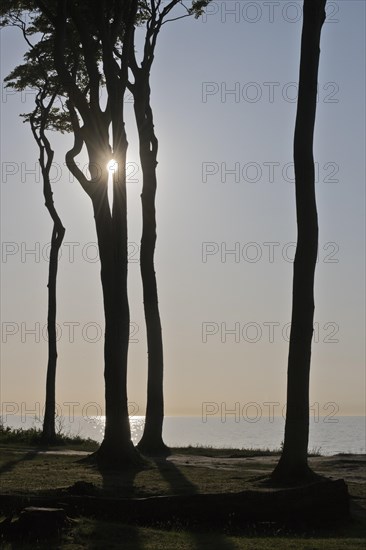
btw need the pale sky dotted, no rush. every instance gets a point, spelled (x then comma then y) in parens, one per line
(223, 91)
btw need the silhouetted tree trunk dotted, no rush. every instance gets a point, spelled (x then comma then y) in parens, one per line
(49, 431)
(153, 18)
(152, 440)
(293, 461)
(116, 446)
(38, 121)
(35, 72)
(111, 226)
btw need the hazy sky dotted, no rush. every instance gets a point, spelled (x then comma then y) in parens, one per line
(223, 92)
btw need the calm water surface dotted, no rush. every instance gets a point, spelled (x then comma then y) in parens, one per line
(343, 434)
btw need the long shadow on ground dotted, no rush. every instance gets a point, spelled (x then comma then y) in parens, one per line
(180, 484)
(11, 464)
(116, 483)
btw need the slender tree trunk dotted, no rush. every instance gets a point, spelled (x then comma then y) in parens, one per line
(49, 431)
(152, 440)
(293, 462)
(58, 232)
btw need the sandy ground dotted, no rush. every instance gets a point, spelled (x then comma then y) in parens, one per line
(351, 468)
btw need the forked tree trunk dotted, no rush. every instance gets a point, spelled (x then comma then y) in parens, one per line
(293, 462)
(116, 448)
(152, 440)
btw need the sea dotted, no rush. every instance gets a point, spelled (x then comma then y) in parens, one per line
(327, 436)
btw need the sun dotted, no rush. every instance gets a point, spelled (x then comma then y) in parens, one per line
(112, 166)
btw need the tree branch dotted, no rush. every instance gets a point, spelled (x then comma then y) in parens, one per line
(42, 6)
(75, 150)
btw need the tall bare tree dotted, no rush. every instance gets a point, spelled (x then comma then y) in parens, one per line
(45, 116)
(152, 15)
(100, 33)
(58, 232)
(293, 462)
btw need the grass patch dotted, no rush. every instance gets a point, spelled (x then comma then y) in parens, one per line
(27, 470)
(34, 470)
(93, 534)
(224, 452)
(22, 437)
(229, 452)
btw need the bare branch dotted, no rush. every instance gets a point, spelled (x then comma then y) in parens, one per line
(176, 18)
(75, 151)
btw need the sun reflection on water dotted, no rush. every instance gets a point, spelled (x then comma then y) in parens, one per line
(97, 424)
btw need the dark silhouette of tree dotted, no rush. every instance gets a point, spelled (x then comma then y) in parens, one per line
(58, 232)
(152, 440)
(100, 34)
(293, 462)
(46, 115)
(152, 17)
(95, 35)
